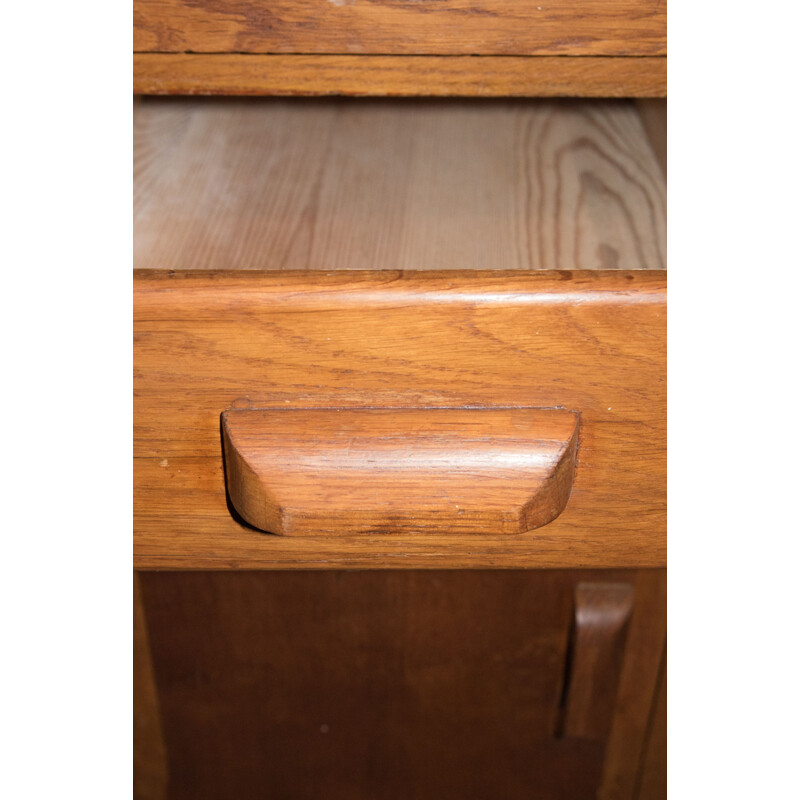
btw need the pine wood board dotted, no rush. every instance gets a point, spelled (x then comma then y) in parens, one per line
(393, 75)
(654, 118)
(394, 184)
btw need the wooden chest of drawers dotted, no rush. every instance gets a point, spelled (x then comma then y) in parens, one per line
(361, 256)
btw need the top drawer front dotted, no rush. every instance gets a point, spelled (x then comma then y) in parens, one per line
(403, 27)
(589, 342)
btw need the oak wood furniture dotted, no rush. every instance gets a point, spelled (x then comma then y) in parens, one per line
(591, 343)
(450, 47)
(422, 343)
(400, 683)
(343, 471)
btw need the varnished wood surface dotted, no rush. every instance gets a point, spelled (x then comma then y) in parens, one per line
(653, 775)
(592, 342)
(600, 628)
(638, 686)
(453, 27)
(439, 684)
(333, 471)
(385, 184)
(150, 769)
(393, 75)
(367, 685)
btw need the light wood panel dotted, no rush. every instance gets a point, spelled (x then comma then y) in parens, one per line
(592, 342)
(654, 118)
(335, 184)
(433, 76)
(457, 27)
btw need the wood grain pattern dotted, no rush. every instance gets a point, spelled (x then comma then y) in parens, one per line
(454, 27)
(367, 685)
(600, 627)
(150, 771)
(638, 685)
(409, 76)
(325, 678)
(593, 342)
(299, 472)
(653, 775)
(654, 118)
(380, 184)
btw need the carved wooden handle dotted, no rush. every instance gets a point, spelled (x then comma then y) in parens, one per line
(599, 632)
(431, 470)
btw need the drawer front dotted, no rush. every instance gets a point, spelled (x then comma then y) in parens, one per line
(592, 343)
(444, 27)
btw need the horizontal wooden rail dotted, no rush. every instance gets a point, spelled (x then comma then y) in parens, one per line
(400, 75)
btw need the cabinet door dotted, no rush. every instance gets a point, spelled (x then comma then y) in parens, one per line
(404, 684)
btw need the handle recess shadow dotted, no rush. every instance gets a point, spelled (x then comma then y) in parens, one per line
(310, 472)
(599, 633)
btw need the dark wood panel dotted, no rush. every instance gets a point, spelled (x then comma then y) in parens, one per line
(368, 684)
(457, 27)
(149, 756)
(409, 76)
(638, 686)
(653, 778)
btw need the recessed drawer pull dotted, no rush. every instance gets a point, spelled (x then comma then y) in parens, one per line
(334, 471)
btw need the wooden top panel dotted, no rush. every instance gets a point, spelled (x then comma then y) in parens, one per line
(392, 184)
(589, 342)
(409, 27)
